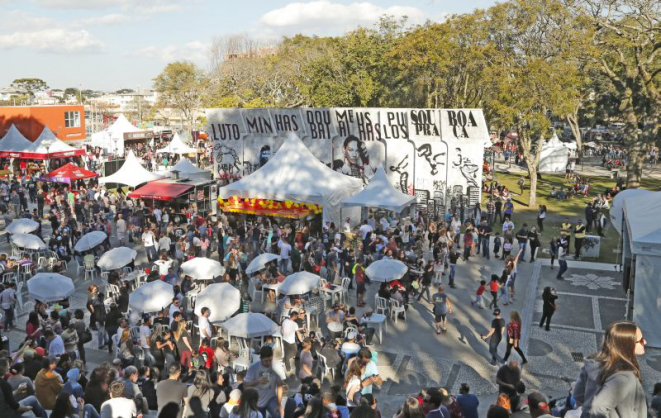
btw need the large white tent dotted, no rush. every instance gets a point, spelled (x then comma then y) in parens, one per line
(554, 157)
(616, 212)
(47, 145)
(177, 146)
(186, 167)
(112, 139)
(13, 144)
(642, 251)
(131, 173)
(380, 193)
(294, 173)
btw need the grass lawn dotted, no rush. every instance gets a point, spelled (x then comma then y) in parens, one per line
(558, 209)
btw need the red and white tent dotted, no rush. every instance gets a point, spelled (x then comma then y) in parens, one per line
(14, 144)
(69, 172)
(48, 146)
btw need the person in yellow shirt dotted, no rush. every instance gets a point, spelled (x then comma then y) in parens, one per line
(579, 235)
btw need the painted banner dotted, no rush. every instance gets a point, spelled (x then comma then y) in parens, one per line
(434, 154)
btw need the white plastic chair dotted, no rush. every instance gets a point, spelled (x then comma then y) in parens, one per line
(90, 269)
(396, 309)
(381, 305)
(127, 270)
(19, 295)
(42, 264)
(349, 330)
(25, 272)
(112, 290)
(9, 277)
(345, 289)
(323, 367)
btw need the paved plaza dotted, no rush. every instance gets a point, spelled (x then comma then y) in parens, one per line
(412, 356)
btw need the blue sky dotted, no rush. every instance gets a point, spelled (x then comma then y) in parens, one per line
(112, 44)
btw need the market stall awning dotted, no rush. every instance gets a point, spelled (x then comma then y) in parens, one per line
(48, 146)
(69, 172)
(160, 190)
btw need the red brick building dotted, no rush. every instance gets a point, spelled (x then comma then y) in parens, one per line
(66, 121)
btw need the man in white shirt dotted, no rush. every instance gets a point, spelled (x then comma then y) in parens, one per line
(174, 307)
(206, 331)
(149, 244)
(145, 334)
(384, 224)
(290, 332)
(118, 406)
(164, 243)
(365, 229)
(285, 249)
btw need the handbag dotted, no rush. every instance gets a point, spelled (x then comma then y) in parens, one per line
(86, 336)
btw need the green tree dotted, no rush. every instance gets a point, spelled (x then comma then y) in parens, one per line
(30, 85)
(181, 85)
(626, 36)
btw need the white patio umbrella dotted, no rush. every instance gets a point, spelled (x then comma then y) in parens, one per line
(90, 240)
(222, 298)
(50, 287)
(250, 325)
(260, 261)
(29, 241)
(386, 270)
(117, 258)
(151, 297)
(22, 226)
(299, 283)
(202, 268)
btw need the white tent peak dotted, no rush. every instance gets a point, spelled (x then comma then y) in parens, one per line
(177, 146)
(131, 173)
(122, 125)
(294, 173)
(380, 193)
(642, 222)
(186, 167)
(48, 143)
(14, 141)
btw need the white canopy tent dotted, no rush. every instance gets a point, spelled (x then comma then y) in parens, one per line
(554, 157)
(131, 173)
(13, 143)
(294, 173)
(177, 146)
(186, 167)
(616, 212)
(642, 248)
(112, 139)
(47, 145)
(380, 193)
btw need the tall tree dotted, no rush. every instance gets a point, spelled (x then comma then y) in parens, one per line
(181, 85)
(30, 85)
(535, 45)
(627, 50)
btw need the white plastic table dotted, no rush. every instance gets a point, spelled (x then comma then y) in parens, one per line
(380, 321)
(273, 287)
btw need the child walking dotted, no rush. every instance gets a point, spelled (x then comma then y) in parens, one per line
(479, 299)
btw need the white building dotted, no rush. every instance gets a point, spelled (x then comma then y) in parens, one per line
(122, 102)
(9, 93)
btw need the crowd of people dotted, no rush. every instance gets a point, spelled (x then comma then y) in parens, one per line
(177, 363)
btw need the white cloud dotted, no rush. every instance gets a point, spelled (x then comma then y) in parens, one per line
(136, 6)
(52, 40)
(195, 51)
(106, 20)
(323, 17)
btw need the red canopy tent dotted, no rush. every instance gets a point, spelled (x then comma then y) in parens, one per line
(70, 172)
(161, 190)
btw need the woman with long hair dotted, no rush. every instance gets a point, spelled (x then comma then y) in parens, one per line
(610, 384)
(32, 326)
(200, 394)
(548, 308)
(316, 409)
(514, 336)
(352, 383)
(92, 292)
(183, 341)
(222, 356)
(247, 407)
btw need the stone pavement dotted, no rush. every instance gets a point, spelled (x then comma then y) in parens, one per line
(412, 356)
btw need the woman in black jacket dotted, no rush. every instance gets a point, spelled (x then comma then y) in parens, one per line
(549, 297)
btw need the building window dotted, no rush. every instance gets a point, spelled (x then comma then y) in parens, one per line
(72, 119)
